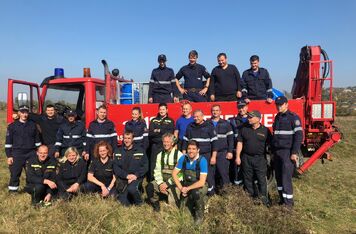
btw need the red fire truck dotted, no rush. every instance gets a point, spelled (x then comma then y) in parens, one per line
(84, 94)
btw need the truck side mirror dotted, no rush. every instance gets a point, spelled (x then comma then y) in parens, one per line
(22, 99)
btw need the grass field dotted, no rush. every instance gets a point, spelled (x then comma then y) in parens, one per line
(325, 200)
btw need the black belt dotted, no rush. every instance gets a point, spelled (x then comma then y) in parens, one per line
(194, 90)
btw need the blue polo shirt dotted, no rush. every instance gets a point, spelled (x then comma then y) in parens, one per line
(191, 165)
(181, 125)
(193, 75)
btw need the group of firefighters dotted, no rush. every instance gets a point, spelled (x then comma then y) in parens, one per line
(185, 161)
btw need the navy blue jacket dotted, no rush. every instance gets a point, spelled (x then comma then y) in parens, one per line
(287, 132)
(162, 82)
(256, 86)
(237, 123)
(225, 135)
(21, 136)
(37, 171)
(133, 161)
(204, 134)
(101, 132)
(140, 131)
(193, 75)
(68, 173)
(71, 135)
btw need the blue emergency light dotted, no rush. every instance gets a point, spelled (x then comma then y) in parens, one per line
(59, 72)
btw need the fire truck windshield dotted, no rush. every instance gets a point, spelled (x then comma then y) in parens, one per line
(69, 96)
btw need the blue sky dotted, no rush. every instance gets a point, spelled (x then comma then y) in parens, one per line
(37, 36)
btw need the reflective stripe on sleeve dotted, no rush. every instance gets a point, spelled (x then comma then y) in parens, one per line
(8, 146)
(298, 129)
(138, 138)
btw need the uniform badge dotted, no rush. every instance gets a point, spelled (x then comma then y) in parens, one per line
(297, 122)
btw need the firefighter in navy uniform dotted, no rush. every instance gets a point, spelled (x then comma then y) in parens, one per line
(130, 167)
(257, 84)
(287, 139)
(158, 127)
(139, 128)
(190, 176)
(41, 177)
(71, 173)
(22, 138)
(195, 89)
(225, 145)
(163, 185)
(100, 129)
(162, 83)
(252, 143)
(71, 134)
(237, 124)
(204, 133)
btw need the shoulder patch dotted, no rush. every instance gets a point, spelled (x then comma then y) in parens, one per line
(297, 122)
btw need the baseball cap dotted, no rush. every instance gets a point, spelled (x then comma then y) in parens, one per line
(24, 108)
(162, 57)
(281, 100)
(71, 113)
(254, 113)
(241, 104)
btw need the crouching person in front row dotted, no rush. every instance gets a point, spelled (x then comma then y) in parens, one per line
(41, 177)
(190, 176)
(163, 183)
(101, 177)
(130, 167)
(71, 174)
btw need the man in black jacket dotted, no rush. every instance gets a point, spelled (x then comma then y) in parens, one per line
(100, 129)
(22, 138)
(49, 124)
(162, 83)
(225, 81)
(257, 84)
(130, 167)
(41, 177)
(71, 134)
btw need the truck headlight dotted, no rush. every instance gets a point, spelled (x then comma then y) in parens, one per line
(316, 111)
(328, 111)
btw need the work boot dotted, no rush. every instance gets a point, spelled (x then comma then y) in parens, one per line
(266, 201)
(156, 206)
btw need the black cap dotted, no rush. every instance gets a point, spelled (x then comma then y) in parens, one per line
(254, 113)
(24, 108)
(241, 104)
(162, 57)
(71, 113)
(281, 100)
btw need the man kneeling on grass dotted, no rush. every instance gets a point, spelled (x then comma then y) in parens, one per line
(41, 177)
(162, 186)
(190, 178)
